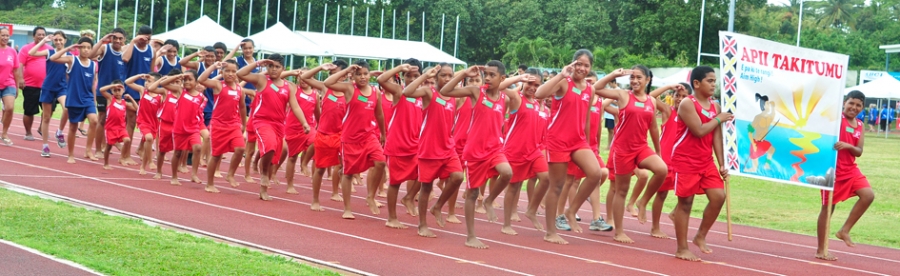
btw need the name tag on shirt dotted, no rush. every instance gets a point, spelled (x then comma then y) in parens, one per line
(441, 101)
(119, 106)
(332, 98)
(639, 104)
(232, 93)
(595, 109)
(705, 113)
(362, 98)
(849, 129)
(305, 97)
(529, 106)
(188, 97)
(412, 100)
(488, 103)
(147, 97)
(275, 88)
(173, 100)
(576, 90)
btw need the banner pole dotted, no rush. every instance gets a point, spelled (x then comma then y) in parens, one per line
(728, 205)
(828, 220)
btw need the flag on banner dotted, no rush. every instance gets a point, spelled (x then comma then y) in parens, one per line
(786, 102)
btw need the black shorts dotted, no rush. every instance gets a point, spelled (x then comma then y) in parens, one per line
(884, 124)
(101, 104)
(31, 102)
(609, 123)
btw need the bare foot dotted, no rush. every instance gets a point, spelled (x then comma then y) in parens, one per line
(382, 194)
(107, 167)
(157, 176)
(394, 223)
(630, 209)
(304, 171)
(489, 208)
(425, 232)
(130, 162)
(846, 238)
(264, 196)
(249, 179)
(642, 213)
(348, 215)
(508, 230)
(573, 223)
(353, 189)
(291, 190)
(175, 182)
(480, 209)
(475, 243)
(92, 157)
(231, 181)
(453, 219)
(373, 206)
(152, 166)
(142, 171)
(687, 255)
(515, 217)
(195, 179)
(218, 174)
(701, 242)
(72, 160)
(533, 218)
(827, 257)
(496, 204)
(554, 238)
(411, 208)
(337, 197)
(316, 207)
(275, 182)
(622, 238)
(212, 189)
(183, 169)
(656, 233)
(438, 216)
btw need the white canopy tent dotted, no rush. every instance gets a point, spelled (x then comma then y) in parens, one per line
(280, 39)
(201, 33)
(378, 48)
(682, 76)
(886, 87)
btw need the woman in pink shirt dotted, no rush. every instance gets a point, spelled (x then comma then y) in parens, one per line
(10, 80)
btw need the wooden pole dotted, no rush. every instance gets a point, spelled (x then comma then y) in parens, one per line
(728, 205)
(828, 221)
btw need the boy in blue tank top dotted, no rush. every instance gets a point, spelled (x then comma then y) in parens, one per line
(108, 54)
(138, 58)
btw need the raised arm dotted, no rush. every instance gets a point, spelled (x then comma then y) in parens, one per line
(414, 90)
(36, 50)
(230, 55)
(99, 49)
(204, 79)
(130, 83)
(332, 81)
(608, 93)
(104, 91)
(379, 118)
(295, 107)
(661, 90)
(451, 90)
(688, 114)
(257, 79)
(308, 75)
(129, 49)
(61, 57)
(555, 86)
(385, 79)
(130, 104)
(187, 63)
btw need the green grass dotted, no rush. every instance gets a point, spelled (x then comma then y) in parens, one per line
(795, 209)
(122, 246)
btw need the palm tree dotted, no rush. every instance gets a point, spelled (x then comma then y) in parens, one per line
(837, 13)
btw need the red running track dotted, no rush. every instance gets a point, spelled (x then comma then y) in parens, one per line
(19, 260)
(287, 224)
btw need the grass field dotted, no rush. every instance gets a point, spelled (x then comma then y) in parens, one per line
(795, 209)
(122, 246)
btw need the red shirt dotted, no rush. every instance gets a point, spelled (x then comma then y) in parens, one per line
(596, 113)
(387, 109)
(846, 162)
(308, 104)
(488, 116)
(272, 106)
(524, 131)
(634, 122)
(189, 113)
(333, 108)
(166, 111)
(404, 127)
(667, 138)
(692, 154)
(148, 108)
(461, 125)
(436, 139)
(359, 120)
(226, 108)
(565, 132)
(115, 116)
(544, 120)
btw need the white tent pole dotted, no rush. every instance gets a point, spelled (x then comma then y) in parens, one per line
(294, 25)
(324, 17)
(265, 16)
(337, 26)
(456, 40)
(201, 8)
(232, 14)
(100, 17)
(134, 23)
(152, 2)
(250, 19)
(185, 12)
(394, 26)
(700, 40)
(367, 21)
(423, 26)
(167, 14)
(116, 15)
(352, 19)
(381, 32)
(308, 12)
(442, 30)
(277, 12)
(407, 25)
(219, 12)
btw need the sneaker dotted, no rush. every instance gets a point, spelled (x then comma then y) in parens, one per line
(60, 139)
(7, 142)
(562, 223)
(577, 218)
(46, 151)
(29, 138)
(600, 225)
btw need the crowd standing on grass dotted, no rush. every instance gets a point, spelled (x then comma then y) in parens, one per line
(480, 126)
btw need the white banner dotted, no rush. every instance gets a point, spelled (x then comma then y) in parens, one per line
(786, 102)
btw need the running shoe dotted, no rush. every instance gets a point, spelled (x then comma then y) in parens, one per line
(562, 223)
(7, 142)
(46, 151)
(60, 139)
(600, 225)
(29, 138)
(577, 218)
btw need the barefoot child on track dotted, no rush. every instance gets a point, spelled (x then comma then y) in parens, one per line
(327, 142)
(228, 121)
(82, 74)
(115, 119)
(147, 120)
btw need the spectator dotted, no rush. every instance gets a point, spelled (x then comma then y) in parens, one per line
(871, 117)
(10, 80)
(88, 33)
(34, 70)
(886, 115)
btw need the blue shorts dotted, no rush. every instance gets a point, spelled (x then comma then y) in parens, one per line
(78, 114)
(50, 97)
(9, 91)
(207, 117)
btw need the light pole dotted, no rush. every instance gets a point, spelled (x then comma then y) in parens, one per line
(800, 23)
